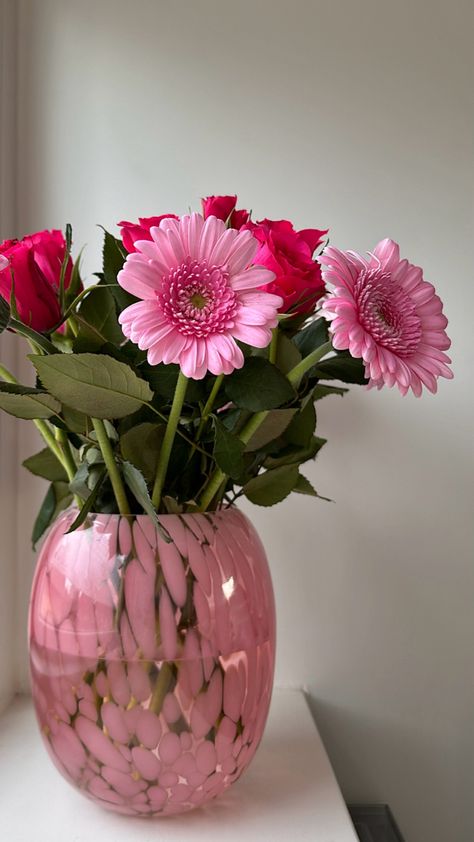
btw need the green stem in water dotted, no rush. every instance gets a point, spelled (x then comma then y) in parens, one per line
(111, 465)
(168, 439)
(252, 425)
(209, 404)
(162, 687)
(272, 354)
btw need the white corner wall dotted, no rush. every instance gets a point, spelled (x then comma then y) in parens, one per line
(355, 115)
(8, 428)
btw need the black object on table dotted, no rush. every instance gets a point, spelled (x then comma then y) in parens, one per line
(374, 823)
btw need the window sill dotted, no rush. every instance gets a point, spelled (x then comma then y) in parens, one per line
(289, 789)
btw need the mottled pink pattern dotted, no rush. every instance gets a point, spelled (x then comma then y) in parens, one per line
(152, 663)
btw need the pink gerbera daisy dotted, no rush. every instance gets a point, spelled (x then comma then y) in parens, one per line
(200, 293)
(383, 311)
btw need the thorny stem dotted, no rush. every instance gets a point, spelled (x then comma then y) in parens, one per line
(111, 465)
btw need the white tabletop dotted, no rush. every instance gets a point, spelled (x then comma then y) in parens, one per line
(288, 793)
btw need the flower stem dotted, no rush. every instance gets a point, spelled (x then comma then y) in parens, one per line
(168, 439)
(69, 462)
(162, 686)
(272, 354)
(219, 476)
(296, 373)
(53, 445)
(111, 465)
(7, 375)
(209, 404)
(252, 425)
(47, 434)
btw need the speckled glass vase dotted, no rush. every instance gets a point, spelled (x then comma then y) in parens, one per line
(152, 661)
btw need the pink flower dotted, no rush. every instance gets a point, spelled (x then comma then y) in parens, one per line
(224, 207)
(289, 254)
(131, 232)
(383, 311)
(200, 293)
(36, 264)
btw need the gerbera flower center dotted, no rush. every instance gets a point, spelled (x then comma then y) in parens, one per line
(198, 299)
(387, 313)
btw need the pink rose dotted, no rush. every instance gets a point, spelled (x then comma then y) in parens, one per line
(289, 254)
(132, 231)
(36, 264)
(224, 207)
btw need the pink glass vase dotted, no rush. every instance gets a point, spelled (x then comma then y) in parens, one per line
(152, 661)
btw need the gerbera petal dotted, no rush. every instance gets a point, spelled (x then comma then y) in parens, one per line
(190, 231)
(242, 252)
(220, 253)
(388, 252)
(163, 251)
(254, 335)
(211, 231)
(253, 278)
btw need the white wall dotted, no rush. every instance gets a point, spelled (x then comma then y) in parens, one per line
(8, 428)
(356, 115)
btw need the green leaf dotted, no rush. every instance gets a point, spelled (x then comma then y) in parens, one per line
(94, 384)
(303, 486)
(44, 516)
(302, 426)
(97, 320)
(26, 402)
(80, 483)
(76, 421)
(228, 450)
(271, 428)
(258, 385)
(89, 503)
(75, 284)
(114, 255)
(137, 485)
(141, 446)
(312, 336)
(295, 455)
(163, 378)
(321, 391)
(57, 498)
(341, 367)
(45, 464)
(288, 355)
(272, 486)
(4, 314)
(67, 253)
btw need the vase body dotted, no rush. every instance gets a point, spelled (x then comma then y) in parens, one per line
(151, 659)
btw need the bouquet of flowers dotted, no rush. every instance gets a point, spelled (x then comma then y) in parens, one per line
(183, 378)
(186, 375)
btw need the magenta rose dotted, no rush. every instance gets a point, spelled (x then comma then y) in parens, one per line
(36, 263)
(224, 207)
(289, 254)
(133, 231)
